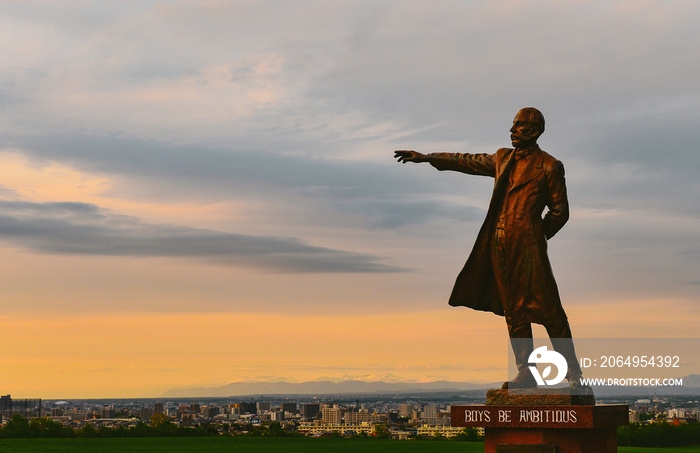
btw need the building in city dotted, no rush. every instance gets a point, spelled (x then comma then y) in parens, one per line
(405, 410)
(310, 410)
(332, 415)
(263, 407)
(289, 407)
(27, 408)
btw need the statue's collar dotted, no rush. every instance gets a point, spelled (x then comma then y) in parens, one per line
(523, 153)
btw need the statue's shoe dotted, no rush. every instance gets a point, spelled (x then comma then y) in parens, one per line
(524, 380)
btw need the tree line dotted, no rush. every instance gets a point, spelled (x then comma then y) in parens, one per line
(44, 427)
(633, 435)
(658, 435)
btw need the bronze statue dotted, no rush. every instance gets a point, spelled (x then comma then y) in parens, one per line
(508, 271)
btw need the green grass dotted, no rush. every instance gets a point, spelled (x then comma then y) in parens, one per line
(228, 444)
(254, 445)
(693, 449)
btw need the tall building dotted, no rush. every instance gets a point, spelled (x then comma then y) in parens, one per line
(290, 407)
(5, 403)
(25, 407)
(360, 416)
(158, 408)
(210, 411)
(405, 410)
(247, 408)
(332, 415)
(633, 416)
(430, 412)
(309, 410)
(76, 414)
(263, 407)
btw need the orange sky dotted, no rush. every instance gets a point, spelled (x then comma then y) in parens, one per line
(146, 354)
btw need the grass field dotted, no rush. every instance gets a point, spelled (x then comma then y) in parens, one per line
(254, 445)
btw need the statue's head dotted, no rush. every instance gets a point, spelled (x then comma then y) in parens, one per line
(528, 125)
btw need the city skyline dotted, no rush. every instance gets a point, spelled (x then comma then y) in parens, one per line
(193, 194)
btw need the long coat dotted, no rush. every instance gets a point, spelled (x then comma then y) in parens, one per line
(508, 271)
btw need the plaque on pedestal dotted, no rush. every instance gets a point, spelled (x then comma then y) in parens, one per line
(544, 421)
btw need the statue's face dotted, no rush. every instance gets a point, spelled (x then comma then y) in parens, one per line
(523, 133)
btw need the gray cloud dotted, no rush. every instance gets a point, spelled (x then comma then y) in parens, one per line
(616, 82)
(397, 212)
(85, 229)
(161, 96)
(379, 195)
(216, 172)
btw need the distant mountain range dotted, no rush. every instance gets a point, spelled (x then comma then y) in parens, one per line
(325, 388)
(354, 387)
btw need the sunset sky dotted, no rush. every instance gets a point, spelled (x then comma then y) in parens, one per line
(198, 193)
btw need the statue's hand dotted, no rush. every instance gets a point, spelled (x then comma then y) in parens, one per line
(410, 156)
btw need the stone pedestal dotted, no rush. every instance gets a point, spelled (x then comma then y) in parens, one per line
(556, 421)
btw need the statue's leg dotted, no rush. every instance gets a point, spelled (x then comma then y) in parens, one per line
(523, 345)
(563, 343)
